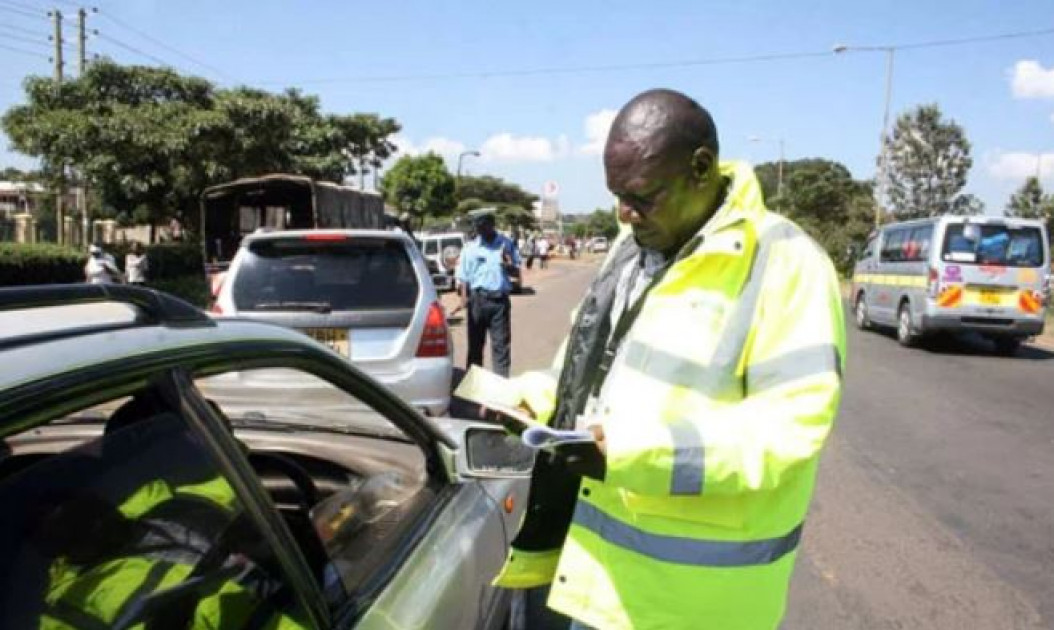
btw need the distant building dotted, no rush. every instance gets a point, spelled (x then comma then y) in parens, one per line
(19, 198)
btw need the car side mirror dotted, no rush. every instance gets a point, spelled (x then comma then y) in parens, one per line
(491, 452)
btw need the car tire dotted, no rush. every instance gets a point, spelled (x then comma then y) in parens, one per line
(906, 334)
(1006, 346)
(863, 321)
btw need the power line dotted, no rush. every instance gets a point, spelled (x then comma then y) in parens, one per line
(19, 5)
(940, 43)
(31, 53)
(171, 49)
(26, 40)
(133, 49)
(17, 11)
(714, 61)
(484, 74)
(24, 31)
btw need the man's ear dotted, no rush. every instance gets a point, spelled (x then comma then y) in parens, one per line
(703, 160)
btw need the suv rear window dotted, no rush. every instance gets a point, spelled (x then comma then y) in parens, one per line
(339, 275)
(993, 245)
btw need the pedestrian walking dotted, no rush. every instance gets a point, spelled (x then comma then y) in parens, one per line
(483, 278)
(706, 362)
(530, 251)
(136, 265)
(101, 267)
(543, 252)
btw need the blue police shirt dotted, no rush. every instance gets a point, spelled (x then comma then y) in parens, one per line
(480, 266)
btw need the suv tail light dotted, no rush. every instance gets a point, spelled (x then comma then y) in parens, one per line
(435, 340)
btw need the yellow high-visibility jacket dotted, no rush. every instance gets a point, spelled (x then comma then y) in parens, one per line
(715, 410)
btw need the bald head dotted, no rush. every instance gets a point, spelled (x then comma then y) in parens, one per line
(661, 163)
(663, 123)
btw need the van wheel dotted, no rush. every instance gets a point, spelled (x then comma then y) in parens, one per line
(905, 331)
(1007, 346)
(863, 322)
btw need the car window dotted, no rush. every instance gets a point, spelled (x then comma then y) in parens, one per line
(993, 245)
(431, 247)
(136, 526)
(371, 478)
(341, 275)
(892, 246)
(284, 396)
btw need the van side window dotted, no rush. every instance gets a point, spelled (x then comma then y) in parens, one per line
(893, 246)
(917, 245)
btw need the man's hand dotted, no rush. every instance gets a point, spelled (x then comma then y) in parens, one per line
(598, 435)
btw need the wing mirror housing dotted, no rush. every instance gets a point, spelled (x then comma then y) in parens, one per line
(493, 453)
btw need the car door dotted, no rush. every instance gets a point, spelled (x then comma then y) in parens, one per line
(434, 566)
(147, 520)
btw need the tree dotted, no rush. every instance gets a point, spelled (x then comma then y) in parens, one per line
(421, 186)
(366, 141)
(603, 223)
(149, 140)
(1030, 202)
(824, 199)
(928, 161)
(494, 190)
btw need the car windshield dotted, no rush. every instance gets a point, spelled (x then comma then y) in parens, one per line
(993, 245)
(321, 276)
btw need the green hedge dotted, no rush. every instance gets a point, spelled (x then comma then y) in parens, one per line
(47, 263)
(40, 263)
(175, 268)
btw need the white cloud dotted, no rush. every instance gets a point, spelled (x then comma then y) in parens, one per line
(1016, 166)
(597, 126)
(443, 146)
(506, 147)
(1032, 80)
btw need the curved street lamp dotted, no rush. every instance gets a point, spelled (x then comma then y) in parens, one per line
(880, 183)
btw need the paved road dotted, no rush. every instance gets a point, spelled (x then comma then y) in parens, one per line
(935, 502)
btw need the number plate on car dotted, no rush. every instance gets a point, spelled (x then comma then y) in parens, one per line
(987, 297)
(335, 338)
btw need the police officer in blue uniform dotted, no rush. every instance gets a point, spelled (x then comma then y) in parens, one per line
(483, 277)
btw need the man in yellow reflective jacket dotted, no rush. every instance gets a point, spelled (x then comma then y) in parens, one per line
(706, 359)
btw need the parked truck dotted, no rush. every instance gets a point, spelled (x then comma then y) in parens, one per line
(280, 202)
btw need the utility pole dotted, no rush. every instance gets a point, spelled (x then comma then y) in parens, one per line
(56, 18)
(81, 34)
(82, 188)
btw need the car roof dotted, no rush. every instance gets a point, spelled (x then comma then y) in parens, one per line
(364, 233)
(36, 360)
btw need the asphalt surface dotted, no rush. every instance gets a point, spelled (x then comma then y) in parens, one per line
(935, 502)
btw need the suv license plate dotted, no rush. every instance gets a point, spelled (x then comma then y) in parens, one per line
(335, 338)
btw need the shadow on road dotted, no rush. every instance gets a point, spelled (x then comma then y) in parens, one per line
(971, 345)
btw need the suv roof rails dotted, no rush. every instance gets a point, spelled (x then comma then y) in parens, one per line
(157, 307)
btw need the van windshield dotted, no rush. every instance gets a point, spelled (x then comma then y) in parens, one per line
(993, 245)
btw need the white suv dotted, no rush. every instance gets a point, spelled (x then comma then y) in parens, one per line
(364, 293)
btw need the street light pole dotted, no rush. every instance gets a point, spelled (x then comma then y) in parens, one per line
(883, 155)
(461, 157)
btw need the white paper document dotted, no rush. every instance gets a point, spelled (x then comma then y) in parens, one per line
(540, 436)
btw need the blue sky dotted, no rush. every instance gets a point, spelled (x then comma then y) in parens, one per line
(543, 127)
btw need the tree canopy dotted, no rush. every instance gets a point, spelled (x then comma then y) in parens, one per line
(150, 139)
(823, 198)
(1030, 202)
(493, 191)
(420, 185)
(928, 161)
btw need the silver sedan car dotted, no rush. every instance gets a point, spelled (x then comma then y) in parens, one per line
(141, 487)
(367, 294)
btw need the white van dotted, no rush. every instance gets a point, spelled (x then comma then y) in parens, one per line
(988, 275)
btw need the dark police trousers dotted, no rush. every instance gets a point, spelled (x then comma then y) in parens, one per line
(490, 311)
